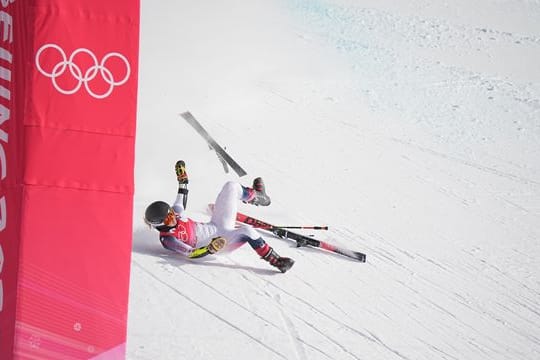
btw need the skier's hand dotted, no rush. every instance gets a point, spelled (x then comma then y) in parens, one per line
(181, 174)
(216, 244)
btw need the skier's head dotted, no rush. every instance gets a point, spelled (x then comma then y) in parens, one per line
(159, 213)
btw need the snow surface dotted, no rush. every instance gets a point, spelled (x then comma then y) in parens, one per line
(411, 128)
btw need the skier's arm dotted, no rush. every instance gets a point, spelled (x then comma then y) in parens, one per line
(178, 207)
(171, 243)
(181, 176)
(215, 245)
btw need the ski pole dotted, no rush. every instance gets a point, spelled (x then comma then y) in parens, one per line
(266, 226)
(272, 227)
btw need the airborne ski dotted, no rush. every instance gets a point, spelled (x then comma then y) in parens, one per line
(301, 240)
(222, 155)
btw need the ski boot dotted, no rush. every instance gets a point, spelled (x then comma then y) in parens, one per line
(282, 263)
(258, 196)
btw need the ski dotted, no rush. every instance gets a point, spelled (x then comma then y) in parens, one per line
(223, 156)
(301, 240)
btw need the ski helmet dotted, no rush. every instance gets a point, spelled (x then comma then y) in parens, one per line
(156, 213)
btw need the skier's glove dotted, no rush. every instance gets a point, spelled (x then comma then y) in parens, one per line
(181, 174)
(216, 244)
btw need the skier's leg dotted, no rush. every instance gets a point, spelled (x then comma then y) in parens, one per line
(244, 234)
(247, 234)
(226, 206)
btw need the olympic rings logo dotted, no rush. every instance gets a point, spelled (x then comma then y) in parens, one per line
(77, 73)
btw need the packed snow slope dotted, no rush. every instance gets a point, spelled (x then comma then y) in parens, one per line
(411, 128)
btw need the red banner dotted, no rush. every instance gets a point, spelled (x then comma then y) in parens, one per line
(68, 101)
(11, 169)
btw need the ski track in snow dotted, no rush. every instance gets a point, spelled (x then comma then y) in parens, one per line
(274, 292)
(381, 46)
(216, 315)
(297, 342)
(291, 328)
(278, 295)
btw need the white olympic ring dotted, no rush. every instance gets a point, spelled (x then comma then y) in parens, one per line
(76, 72)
